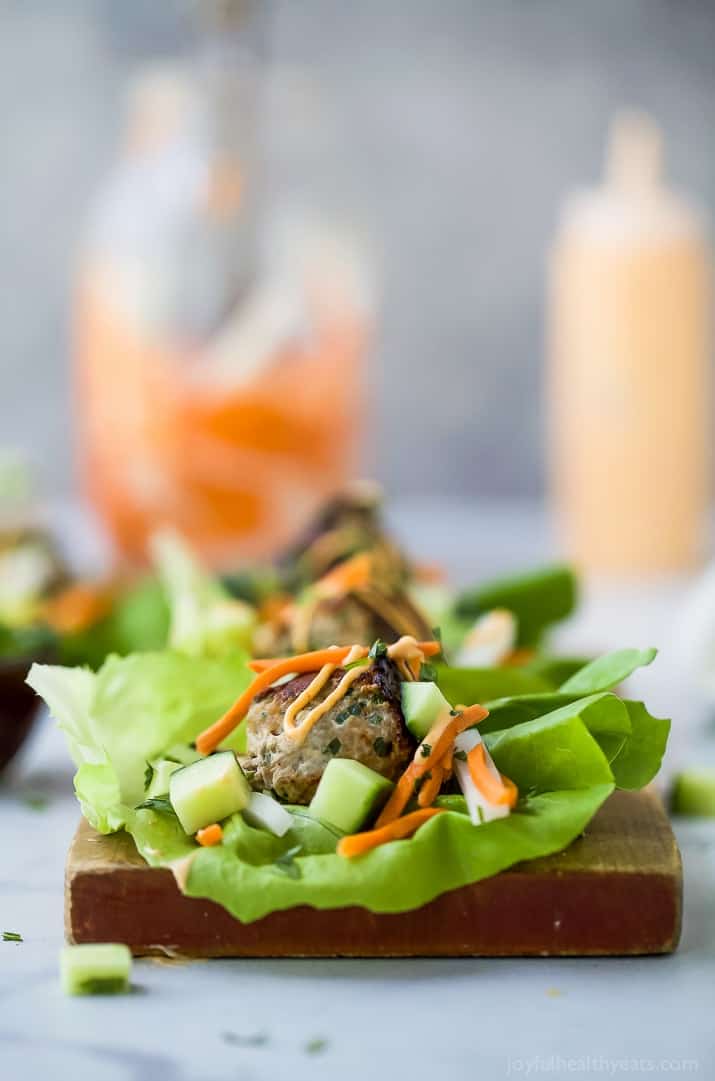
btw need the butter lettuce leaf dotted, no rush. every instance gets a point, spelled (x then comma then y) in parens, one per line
(130, 711)
(605, 673)
(538, 599)
(565, 752)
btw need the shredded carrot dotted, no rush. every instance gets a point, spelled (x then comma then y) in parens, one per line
(518, 657)
(399, 797)
(78, 606)
(319, 658)
(429, 754)
(358, 843)
(210, 835)
(431, 573)
(496, 791)
(430, 788)
(349, 575)
(305, 662)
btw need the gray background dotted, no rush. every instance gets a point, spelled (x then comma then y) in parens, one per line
(449, 130)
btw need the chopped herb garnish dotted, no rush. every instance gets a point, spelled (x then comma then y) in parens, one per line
(360, 663)
(12, 936)
(35, 802)
(148, 775)
(156, 803)
(192, 745)
(377, 649)
(286, 862)
(253, 1039)
(316, 1046)
(383, 747)
(374, 718)
(455, 712)
(425, 750)
(461, 755)
(342, 716)
(333, 747)
(437, 634)
(355, 710)
(428, 673)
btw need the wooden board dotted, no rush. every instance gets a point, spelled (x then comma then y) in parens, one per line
(617, 890)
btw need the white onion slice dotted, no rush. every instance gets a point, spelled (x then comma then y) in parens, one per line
(266, 813)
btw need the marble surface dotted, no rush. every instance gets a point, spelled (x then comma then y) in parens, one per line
(290, 1020)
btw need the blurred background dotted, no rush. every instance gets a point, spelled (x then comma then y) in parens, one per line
(255, 250)
(444, 135)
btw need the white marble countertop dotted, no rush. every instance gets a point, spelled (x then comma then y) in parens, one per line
(419, 1019)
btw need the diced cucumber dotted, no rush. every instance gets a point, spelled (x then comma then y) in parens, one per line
(694, 793)
(266, 813)
(422, 704)
(95, 969)
(183, 753)
(208, 791)
(349, 794)
(159, 784)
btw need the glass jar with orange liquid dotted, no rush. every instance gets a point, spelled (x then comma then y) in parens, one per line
(219, 351)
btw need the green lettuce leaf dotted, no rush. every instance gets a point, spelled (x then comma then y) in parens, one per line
(608, 671)
(137, 622)
(205, 619)
(565, 753)
(127, 713)
(467, 685)
(538, 599)
(639, 759)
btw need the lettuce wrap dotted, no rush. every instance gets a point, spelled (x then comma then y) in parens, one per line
(565, 750)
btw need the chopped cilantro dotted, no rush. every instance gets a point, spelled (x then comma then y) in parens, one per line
(437, 634)
(35, 802)
(286, 862)
(12, 936)
(377, 649)
(374, 718)
(316, 1046)
(148, 775)
(253, 1039)
(455, 712)
(426, 750)
(359, 663)
(461, 755)
(428, 673)
(383, 747)
(156, 803)
(333, 747)
(342, 716)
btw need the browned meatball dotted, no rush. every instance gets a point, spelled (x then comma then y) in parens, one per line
(366, 725)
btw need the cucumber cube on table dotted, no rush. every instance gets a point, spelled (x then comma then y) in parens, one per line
(208, 791)
(693, 792)
(95, 969)
(349, 794)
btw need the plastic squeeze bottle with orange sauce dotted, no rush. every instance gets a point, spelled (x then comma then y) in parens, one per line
(629, 394)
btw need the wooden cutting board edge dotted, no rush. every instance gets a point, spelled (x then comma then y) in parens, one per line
(615, 891)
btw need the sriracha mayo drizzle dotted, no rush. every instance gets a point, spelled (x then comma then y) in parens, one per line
(405, 653)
